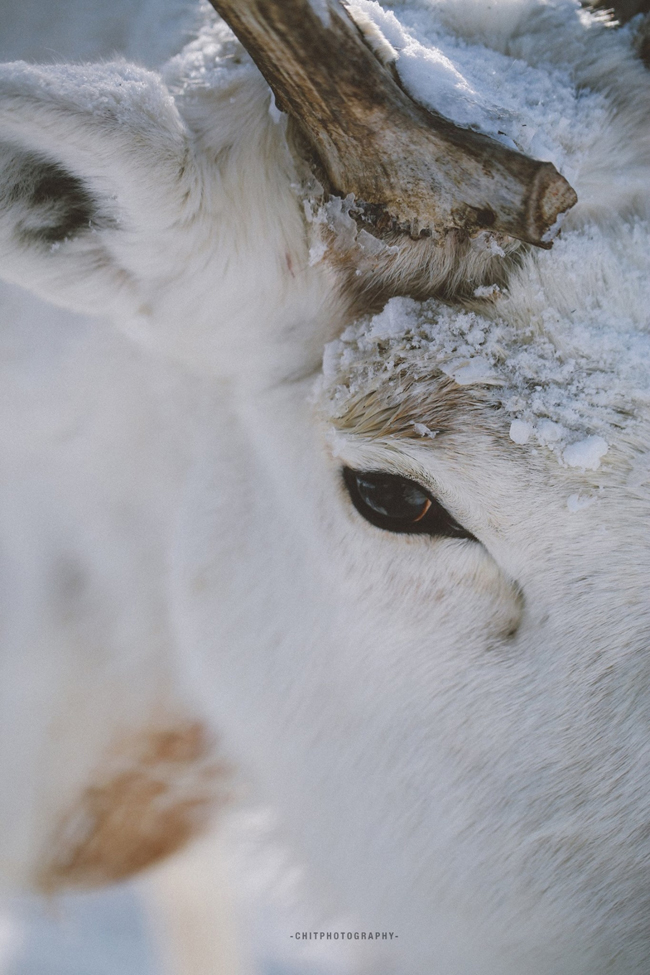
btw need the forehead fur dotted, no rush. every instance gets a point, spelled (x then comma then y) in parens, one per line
(379, 385)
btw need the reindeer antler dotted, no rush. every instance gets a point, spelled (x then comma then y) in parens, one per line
(407, 167)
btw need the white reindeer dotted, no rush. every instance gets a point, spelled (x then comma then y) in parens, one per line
(403, 591)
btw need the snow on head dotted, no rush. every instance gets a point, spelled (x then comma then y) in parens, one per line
(565, 347)
(569, 383)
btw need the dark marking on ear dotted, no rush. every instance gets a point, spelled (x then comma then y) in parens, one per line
(46, 204)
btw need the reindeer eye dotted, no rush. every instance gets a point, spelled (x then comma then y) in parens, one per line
(398, 504)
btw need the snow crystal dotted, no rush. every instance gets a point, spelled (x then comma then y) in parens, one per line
(467, 372)
(317, 252)
(488, 290)
(497, 251)
(423, 430)
(577, 502)
(586, 454)
(520, 431)
(549, 432)
(553, 231)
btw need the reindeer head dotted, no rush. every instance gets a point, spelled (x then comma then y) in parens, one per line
(413, 579)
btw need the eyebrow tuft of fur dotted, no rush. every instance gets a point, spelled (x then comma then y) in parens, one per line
(409, 407)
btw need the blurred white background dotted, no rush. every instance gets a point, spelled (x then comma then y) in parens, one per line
(122, 930)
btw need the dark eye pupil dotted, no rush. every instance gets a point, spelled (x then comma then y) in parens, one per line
(400, 505)
(392, 496)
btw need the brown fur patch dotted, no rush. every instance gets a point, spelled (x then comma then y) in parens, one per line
(393, 408)
(450, 267)
(154, 792)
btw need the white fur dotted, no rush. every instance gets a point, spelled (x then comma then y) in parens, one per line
(455, 733)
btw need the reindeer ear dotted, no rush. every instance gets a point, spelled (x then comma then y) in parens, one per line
(92, 171)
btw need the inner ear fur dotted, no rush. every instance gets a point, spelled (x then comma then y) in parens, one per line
(90, 156)
(49, 204)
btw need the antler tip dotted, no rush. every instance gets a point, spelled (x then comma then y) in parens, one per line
(554, 198)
